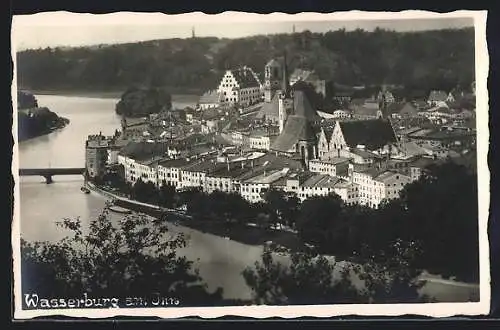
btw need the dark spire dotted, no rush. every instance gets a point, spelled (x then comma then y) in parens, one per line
(286, 82)
(193, 35)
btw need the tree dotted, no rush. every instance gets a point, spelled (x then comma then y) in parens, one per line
(167, 195)
(308, 280)
(313, 279)
(425, 59)
(389, 275)
(282, 207)
(145, 192)
(440, 210)
(136, 102)
(136, 257)
(317, 217)
(277, 205)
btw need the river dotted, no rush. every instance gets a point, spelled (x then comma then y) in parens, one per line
(219, 261)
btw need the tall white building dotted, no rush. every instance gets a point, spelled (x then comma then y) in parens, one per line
(377, 185)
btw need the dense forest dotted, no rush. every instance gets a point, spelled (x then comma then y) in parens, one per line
(426, 60)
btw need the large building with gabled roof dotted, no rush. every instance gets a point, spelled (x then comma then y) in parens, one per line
(240, 86)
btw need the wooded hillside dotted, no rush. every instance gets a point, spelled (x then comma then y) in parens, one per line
(420, 60)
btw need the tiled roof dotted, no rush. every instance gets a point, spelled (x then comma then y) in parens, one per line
(274, 62)
(373, 172)
(408, 109)
(436, 96)
(221, 171)
(302, 107)
(364, 153)
(245, 78)
(270, 109)
(210, 97)
(373, 134)
(267, 177)
(201, 166)
(143, 150)
(174, 163)
(361, 110)
(304, 75)
(332, 160)
(321, 180)
(388, 177)
(296, 129)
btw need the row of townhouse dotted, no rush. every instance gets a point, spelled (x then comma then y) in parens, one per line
(376, 185)
(366, 186)
(257, 139)
(324, 185)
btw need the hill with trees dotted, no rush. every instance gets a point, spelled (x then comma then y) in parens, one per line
(32, 120)
(136, 102)
(440, 59)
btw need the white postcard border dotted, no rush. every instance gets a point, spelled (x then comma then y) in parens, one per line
(435, 309)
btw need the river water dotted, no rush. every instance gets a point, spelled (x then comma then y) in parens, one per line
(219, 261)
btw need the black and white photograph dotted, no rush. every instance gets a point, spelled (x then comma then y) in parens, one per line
(250, 165)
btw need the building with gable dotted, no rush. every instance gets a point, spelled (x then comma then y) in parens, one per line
(210, 99)
(240, 86)
(437, 98)
(367, 137)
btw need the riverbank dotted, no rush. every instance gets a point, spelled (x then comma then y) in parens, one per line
(185, 97)
(437, 287)
(81, 93)
(27, 132)
(241, 233)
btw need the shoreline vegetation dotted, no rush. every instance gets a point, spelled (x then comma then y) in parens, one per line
(228, 216)
(34, 120)
(255, 236)
(176, 97)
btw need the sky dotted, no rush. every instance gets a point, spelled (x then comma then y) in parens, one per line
(73, 30)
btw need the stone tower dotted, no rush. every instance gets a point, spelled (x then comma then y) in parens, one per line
(273, 75)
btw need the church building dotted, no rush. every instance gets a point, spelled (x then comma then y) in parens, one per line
(296, 121)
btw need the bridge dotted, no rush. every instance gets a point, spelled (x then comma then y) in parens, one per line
(47, 173)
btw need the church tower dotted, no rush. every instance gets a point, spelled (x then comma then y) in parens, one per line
(285, 103)
(273, 72)
(382, 107)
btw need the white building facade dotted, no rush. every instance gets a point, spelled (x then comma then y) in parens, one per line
(241, 86)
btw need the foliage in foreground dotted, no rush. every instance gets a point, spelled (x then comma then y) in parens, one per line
(138, 257)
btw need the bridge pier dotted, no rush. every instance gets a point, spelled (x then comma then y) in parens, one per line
(48, 179)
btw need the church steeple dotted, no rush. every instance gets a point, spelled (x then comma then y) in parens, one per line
(193, 35)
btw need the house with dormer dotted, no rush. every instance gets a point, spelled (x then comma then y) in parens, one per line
(240, 86)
